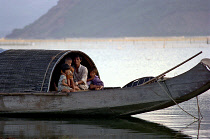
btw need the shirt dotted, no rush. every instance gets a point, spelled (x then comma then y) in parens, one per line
(60, 83)
(81, 75)
(97, 81)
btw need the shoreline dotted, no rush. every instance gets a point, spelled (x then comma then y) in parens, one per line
(120, 39)
(119, 43)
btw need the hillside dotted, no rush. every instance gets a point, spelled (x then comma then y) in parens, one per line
(18, 13)
(120, 18)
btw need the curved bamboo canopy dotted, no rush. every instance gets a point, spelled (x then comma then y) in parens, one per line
(34, 70)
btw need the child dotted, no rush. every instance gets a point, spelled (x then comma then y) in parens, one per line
(68, 61)
(63, 85)
(94, 82)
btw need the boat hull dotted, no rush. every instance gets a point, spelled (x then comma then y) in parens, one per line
(109, 102)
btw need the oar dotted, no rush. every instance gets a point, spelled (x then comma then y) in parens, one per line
(171, 69)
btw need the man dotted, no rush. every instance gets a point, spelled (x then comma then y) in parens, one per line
(80, 74)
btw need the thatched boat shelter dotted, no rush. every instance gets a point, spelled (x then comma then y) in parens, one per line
(34, 70)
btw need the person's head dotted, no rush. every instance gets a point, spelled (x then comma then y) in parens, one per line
(65, 68)
(93, 72)
(68, 61)
(77, 60)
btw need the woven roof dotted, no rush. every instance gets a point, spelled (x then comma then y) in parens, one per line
(34, 70)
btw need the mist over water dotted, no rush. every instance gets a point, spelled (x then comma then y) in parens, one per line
(119, 63)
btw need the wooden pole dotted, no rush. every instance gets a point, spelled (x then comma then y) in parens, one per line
(171, 69)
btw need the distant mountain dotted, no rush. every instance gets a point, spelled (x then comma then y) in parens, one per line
(120, 18)
(19, 13)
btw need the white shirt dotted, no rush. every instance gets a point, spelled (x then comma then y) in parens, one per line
(81, 75)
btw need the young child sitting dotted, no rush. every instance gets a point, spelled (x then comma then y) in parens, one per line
(94, 82)
(70, 80)
(63, 85)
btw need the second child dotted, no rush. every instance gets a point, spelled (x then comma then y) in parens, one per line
(63, 85)
(68, 61)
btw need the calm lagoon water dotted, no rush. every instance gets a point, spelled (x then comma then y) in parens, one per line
(118, 64)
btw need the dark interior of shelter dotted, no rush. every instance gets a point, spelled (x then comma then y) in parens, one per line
(86, 61)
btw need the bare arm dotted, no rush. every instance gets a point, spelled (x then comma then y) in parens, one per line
(63, 83)
(69, 77)
(90, 79)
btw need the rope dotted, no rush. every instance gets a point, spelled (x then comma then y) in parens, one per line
(176, 102)
(199, 111)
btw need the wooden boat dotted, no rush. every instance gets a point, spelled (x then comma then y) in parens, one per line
(27, 78)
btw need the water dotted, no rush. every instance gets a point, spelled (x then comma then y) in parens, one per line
(119, 63)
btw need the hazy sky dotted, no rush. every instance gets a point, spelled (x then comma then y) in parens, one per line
(19, 13)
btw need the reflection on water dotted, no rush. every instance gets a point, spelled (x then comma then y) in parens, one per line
(176, 119)
(85, 128)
